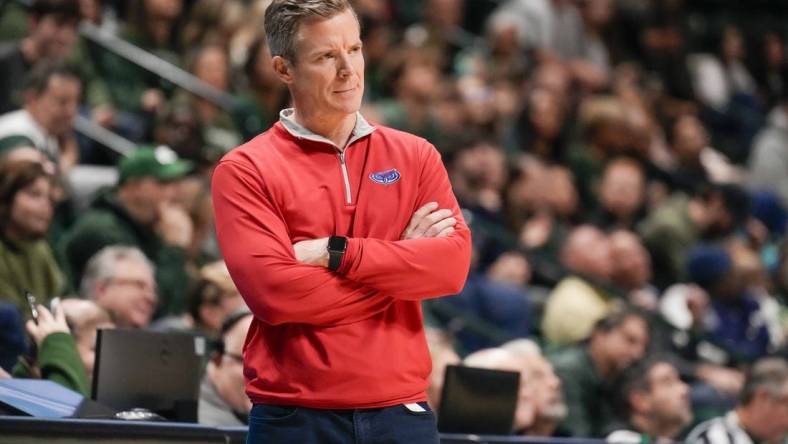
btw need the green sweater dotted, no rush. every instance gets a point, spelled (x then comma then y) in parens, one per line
(108, 223)
(59, 362)
(28, 266)
(669, 234)
(588, 397)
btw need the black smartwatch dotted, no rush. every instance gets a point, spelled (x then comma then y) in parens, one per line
(336, 249)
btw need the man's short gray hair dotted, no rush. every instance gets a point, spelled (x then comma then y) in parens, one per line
(768, 374)
(283, 17)
(101, 266)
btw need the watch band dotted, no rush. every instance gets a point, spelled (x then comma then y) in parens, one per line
(336, 250)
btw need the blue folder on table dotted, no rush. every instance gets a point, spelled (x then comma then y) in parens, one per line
(38, 398)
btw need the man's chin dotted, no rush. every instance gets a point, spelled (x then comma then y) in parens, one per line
(556, 411)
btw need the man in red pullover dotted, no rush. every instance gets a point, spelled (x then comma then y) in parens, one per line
(334, 230)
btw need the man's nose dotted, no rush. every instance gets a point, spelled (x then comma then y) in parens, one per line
(343, 65)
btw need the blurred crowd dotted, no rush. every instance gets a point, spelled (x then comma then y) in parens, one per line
(623, 165)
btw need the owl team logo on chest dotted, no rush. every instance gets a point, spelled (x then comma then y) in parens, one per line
(385, 177)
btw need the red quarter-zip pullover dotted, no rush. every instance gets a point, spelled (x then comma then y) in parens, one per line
(352, 338)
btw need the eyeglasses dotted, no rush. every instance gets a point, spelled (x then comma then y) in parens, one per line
(137, 283)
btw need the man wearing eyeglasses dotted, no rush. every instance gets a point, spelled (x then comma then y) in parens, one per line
(120, 279)
(223, 401)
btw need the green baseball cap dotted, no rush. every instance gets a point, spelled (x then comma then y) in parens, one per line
(161, 163)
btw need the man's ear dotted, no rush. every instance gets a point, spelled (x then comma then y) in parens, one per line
(639, 401)
(100, 290)
(283, 69)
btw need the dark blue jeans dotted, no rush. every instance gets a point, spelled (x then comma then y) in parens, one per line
(270, 424)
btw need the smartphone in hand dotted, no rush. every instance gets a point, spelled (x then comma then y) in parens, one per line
(31, 303)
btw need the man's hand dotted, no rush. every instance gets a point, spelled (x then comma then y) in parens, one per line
(174, 226)
(726, 380)
(47, 324)
(312, 251)
(428, 221)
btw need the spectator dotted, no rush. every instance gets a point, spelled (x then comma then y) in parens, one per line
(213, 298)
(544, 389)
(655, 403)
(588, 371)
(13, 342)
(496, 302)
(696, 163)
(27, 262)
(223, 401)
(540, 202)
(439, 30)
(140, 211)
(769, 158)
(51, 100)
(52, 33)
(679, 223)
(771, 68)
(728, 93)
(211, 64)
(762, 413)
(735, 326)
(632, 269)
(120, 280)
(265, 95)
(415, 78)
(622, 194)
(57, 358)
(718, 78)
(541, 127)
(577, 303)
(135, 97)
(681, 333)
(603, 121)
(478, 174)
(500, 359)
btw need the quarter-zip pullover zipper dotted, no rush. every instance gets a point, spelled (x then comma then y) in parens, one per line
(345, 177)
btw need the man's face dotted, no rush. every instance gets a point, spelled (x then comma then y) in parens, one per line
(327, 75)
(668, 396)
(545, 388)
(54, 36)
(627, 343)
(56, 106)
(775, 408)
(622, 189)
(230, 377)
(130, 295)
(689, 138)
(631, 262)
(212, 68)
(149, 195)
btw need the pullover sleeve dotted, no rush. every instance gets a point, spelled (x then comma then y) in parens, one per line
(416, 269)
(258, 251)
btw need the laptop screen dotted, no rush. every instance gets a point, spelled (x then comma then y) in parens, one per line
(152, 370)
(478, 401)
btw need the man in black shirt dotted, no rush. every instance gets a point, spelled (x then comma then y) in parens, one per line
(52, 34)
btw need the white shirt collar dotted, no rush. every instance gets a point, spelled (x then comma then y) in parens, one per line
(361, 129)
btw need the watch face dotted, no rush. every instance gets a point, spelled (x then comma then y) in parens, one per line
(337, 243)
